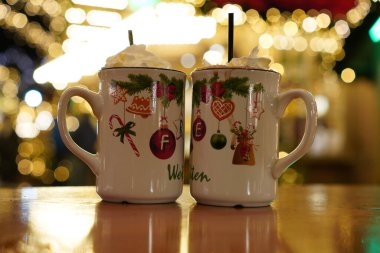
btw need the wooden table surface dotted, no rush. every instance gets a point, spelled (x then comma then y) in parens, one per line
(311, 218)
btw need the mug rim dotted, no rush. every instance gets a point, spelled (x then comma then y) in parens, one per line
(233, 68)
(138, 67)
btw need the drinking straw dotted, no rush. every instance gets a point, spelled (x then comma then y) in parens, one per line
(130, 37)
(230, 36)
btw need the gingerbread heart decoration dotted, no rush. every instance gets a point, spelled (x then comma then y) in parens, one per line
(222, 109)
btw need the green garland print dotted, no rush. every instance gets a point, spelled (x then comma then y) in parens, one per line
(171, 87)
(221, 89)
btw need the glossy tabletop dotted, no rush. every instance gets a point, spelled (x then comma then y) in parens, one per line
(310, 218)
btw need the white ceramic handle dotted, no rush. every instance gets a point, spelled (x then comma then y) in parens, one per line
(96, 102)
(310, 128)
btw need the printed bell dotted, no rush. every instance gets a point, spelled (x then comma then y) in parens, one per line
(140, 106)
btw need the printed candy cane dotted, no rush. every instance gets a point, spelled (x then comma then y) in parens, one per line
(126, 134)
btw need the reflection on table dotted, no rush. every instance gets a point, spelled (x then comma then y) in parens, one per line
(315, 218)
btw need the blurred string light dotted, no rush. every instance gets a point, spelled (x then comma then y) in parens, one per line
(323, 105)
(138, 4)
(33, 98)
(213, 57)
(188, 60)
(374, 31)
(150, 26)
(109, 4)
(348, 75)
(103, 18)
(221, 14)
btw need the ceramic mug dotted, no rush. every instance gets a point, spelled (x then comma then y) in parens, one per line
(140, 138)
(235, 131)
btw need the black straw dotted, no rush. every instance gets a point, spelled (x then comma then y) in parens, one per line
(130, 37)
(230, 36)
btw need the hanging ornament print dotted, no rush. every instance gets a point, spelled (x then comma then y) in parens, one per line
(221, 110)
(163, 142)
(243, 137)
(166, 89)
(243, 154)
(118, 94)
(199, 127)
(140, 106)
(222, 106)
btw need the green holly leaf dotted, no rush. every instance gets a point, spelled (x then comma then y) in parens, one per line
(215, 78)
(237, 85)
(164, 79)
(258, 88)
(179, 85)
(136, 83)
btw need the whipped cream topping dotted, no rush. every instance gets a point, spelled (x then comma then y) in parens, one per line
(251, 61)
(136, 56)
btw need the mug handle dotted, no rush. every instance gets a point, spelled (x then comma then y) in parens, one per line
(96, 102)
(281, 164)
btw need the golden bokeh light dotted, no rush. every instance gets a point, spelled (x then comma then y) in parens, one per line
(25, 167)
(10, 88)
(273, 15)
(75, 15)
(266, 40)
(25, 149)
(278, 68)
(309, 24)
(58, 24)
(300, 44)
(290, 28)
(282, 154)
(252, 16)
(4, 10)
(4, 73)
(323, 20)
(48, 177)
(20, 20)
(348, 75)
(55, 50)
(260, 26)
(52, 8)
(31, 9)
(39, 167)
(298, 16)
(72, 123)
(61, 174)
(9, 105)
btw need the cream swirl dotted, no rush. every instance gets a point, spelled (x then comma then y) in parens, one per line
(136, 56)
(252, 61)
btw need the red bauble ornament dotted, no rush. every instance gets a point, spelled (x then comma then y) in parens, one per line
(162, 143)
(199, 129)
(217, 89)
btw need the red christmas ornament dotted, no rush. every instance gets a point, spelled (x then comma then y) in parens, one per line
(162, 143)
(198, 129)
(171, 92)
(159, 89)
(217, 89)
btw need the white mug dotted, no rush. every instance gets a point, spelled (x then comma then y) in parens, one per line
(235, 131)
(140, 138)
